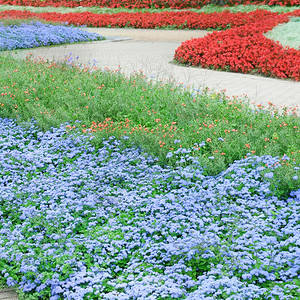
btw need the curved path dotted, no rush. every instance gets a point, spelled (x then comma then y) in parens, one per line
(152, 52)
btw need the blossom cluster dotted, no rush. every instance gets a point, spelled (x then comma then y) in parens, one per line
(244, 49)
(78, 222)
(176, 4)
(147, 20)
(36, 34)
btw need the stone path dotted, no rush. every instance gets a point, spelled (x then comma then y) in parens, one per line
(8, 294)
(152, 52)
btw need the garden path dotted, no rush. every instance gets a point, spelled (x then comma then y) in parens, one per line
(152, 51)
(8, 294)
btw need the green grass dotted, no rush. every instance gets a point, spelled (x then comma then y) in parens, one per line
(153, 115)
(18, 22)
(104, 10)
(287, 34)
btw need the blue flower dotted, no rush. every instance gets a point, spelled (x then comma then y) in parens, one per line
(78, 222)
(36, 34)
(269, 175)
(169, 155)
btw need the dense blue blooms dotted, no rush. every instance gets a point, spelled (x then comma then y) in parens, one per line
(269, 175)
(37, 34)
(78, 222)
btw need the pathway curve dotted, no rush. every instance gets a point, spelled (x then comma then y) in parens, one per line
(152, 52)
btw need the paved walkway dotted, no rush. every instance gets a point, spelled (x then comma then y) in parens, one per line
(152, 52)
(8, 294)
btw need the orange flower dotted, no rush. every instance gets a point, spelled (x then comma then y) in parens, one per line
(247, 145)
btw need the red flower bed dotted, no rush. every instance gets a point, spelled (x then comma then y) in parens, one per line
(244, 49)
(184, 19)
(177, 4)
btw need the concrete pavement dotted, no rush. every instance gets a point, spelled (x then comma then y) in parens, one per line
(8, 294)
(152, 52)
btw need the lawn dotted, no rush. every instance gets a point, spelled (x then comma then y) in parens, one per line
(116, 187)
(287, 34)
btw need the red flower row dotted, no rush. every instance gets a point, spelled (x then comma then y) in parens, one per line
(177, 4)
(183, 19)
(244, 49)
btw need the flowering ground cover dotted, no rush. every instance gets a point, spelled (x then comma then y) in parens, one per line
(176, 4)
(173, 19)
(189, 201)
(36, 34)
(81, 222)
(110, 10)
(244, 49)
(152, 114)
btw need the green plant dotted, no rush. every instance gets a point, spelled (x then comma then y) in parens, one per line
(160, 118)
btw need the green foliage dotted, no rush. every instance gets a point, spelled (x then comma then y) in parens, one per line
(18, 22)
(286, 178)
(203, 260)
(154, 115)
(287, 34)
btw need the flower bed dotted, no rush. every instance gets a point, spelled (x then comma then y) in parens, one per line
(244, 49)
(184, 19)
(177, 4)
(36, 34)
(78, 222)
